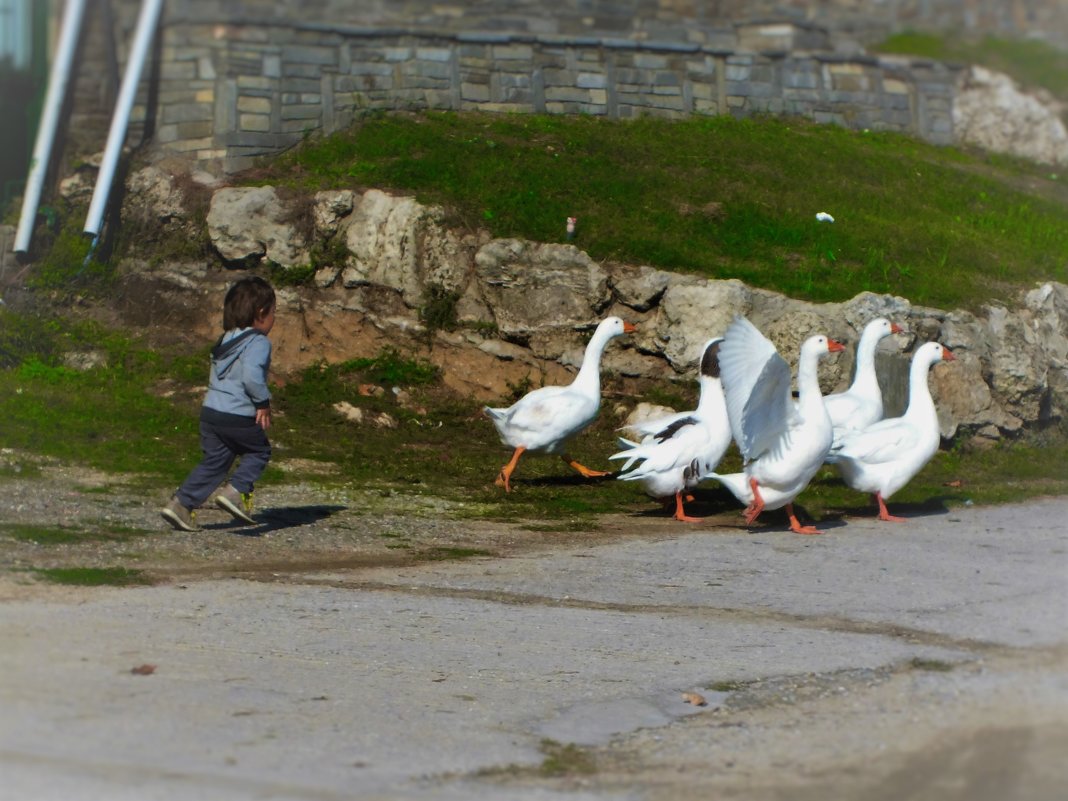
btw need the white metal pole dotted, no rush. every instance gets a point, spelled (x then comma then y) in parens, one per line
(58, 79)
(147, 23)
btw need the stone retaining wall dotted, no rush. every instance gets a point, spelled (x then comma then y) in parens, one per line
(227, 93)
(523, 309)
(247, 78)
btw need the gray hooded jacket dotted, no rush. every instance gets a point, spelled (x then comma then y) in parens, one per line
(237, 385)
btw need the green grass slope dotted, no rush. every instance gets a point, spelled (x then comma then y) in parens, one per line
(722, 197)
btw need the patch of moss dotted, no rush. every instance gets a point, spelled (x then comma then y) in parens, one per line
(931, 665)
(19, 469)
(565, 760)
(69, 264)
(93, 576)
(439, 311)
(726, 686)
(42, 535)
(292, 276)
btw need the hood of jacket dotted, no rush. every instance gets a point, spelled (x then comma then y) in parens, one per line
(225, 354)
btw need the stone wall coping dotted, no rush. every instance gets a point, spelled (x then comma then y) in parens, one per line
(565, 40)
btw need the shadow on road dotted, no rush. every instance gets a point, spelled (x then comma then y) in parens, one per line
(277, 518)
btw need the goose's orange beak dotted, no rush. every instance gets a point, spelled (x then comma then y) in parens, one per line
(629, 328)
(947, 355)
(833, 345)
(896, 329)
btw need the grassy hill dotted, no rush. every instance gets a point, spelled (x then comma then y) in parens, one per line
(722, 197)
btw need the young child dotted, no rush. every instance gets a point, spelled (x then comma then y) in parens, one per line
(237, 409)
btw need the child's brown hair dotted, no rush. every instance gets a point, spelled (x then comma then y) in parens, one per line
(246, 301)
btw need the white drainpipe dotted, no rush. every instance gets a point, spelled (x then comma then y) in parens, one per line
(147, 23)
(58, 79)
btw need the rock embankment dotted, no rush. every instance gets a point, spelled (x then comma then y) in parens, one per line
(516, 311)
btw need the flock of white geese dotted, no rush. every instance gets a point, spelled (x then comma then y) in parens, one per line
(746, 396)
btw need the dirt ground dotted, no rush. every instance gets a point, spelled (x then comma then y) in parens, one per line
(304, 527)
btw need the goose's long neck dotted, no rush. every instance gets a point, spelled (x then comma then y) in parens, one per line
(589, 374)
(711, 403)
(921, 404)
(809, 395)
(865, 369)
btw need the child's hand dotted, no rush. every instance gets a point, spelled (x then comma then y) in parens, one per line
(263, 418)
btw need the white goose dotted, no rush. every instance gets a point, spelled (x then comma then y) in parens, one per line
(861, 404)
(885, 456)
(783, 442)
(683, 447)
(650, 429)
(545, 419)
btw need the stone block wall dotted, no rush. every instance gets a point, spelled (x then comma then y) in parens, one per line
(234, 81)
(226, 93)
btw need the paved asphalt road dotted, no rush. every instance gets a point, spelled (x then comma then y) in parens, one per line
(447, 680)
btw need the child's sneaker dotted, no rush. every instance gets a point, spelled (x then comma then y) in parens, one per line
(178, 516)
(239, 504)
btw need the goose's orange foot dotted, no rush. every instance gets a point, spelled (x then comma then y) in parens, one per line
(504, 477)
(753, 510)
(884, 513)
(795, 524)
(584, 471)
(680, 514)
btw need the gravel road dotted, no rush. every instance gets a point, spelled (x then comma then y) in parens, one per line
(341, 650)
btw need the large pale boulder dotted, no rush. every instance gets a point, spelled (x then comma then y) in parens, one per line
(691, 312)
(249, 224)
(640, 287)
(329, 208)
(397, 242)
(153, 195)
(643, 413)
(789, 332)
(533, 286)
(1046, 313)
(529, 308)
(1018, 363)
(991, 112)
(381, 240)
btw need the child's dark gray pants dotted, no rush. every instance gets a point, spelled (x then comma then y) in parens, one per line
(222, 444)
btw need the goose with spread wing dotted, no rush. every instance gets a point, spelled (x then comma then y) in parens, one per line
(546, 419)
(883, 457)
(676, 453)
(783, 442)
